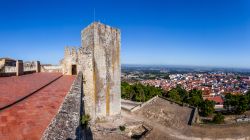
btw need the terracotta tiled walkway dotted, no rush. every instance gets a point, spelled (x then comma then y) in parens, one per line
(14, 88)
(28, 119)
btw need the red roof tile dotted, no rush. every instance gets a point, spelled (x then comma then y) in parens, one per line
(216, 99)
(14, 88)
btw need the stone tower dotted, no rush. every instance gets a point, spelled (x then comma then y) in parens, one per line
(100, 55)
(70, 62)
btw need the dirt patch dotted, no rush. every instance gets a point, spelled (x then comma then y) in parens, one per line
(166, 113)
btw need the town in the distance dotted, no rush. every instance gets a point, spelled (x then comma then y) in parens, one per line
(227, 90)
(212, 82)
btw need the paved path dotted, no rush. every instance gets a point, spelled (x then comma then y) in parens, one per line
(29, 118)
(15, 88)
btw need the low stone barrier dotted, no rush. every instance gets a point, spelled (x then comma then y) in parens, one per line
(53, 68)
(7, 71)
(7, 74)
(33, 68)
(213, 125)
(143, 104)
(11, 71)
(193, 114)
(66, 124)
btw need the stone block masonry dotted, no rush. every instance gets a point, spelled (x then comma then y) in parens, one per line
(38, 66)
(70, 59)
(19, 68)
(100, 55)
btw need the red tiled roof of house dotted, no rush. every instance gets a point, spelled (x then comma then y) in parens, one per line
(216, 99)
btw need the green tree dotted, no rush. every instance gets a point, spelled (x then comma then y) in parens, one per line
(207, 108)
(248, 97)
(236, 103)
(182, 92)
(194, 97)
(138, 92)
(173, 94)
(178, 94)
(218, 118)
(242, 105)
(228, 101)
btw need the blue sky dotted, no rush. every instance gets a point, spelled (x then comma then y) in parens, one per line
(172, 32)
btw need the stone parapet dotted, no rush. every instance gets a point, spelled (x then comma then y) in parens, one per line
(53, 68)
(66, 124)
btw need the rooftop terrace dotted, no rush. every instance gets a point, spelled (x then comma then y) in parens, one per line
(30, 102)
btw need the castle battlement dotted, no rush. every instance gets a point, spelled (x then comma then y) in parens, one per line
(100, 25)
(70, 52)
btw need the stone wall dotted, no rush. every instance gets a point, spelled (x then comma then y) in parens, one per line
(53, 68)
(6, 71)
(2, 63)
(9, 69)
(143, 104)
(38, 66)
(19, 67)
(101, 70)
(28, 68)
(30, 65)
(193, 114)
(66, 124)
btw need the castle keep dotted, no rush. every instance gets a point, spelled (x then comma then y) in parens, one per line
(101, 69)
(99, 60)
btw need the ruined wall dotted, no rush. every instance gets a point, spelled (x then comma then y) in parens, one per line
(101, 70)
